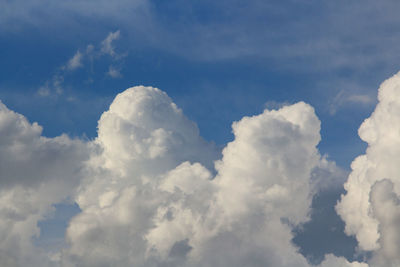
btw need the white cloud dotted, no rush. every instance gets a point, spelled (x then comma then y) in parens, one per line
(35, 172)
(150, 198)
(149, 193)
(369, 207)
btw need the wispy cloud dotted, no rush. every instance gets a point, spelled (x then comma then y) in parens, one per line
(347, 35)
(107, 46)
(54, 86)
(114, 72)
(75, 62)
(347, 97)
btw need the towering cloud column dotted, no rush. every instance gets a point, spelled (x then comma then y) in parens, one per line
(150, 197)
(370, 205)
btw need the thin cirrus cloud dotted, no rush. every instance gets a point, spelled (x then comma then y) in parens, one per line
(152, 192)
(347, 98)
(233, 29)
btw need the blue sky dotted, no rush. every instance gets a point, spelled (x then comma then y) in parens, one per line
(63, 62)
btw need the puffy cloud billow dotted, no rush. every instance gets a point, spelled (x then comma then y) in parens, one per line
(35, 172)
(152, 192)
(370, 205)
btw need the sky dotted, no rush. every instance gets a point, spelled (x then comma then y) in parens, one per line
(199, 133)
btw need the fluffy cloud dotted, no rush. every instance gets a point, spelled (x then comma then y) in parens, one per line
(141, 138)
(386, 209)
(35, 172)
(151, 199)
(114, 72)
(369, 208)
(154, 193)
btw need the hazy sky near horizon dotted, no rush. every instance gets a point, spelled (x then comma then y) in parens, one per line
(261, 100)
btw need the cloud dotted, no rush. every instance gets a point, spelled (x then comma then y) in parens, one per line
(61, 12)
(369, 206)
(75, 62)
(44, 91)
(141, 137)
(35, 172)
(152, 192)
(333, 261)
(114, 72)
(349, 98)
(151, 198)
(341, 39)
(107, 44)
(385, 208)
(54, 86)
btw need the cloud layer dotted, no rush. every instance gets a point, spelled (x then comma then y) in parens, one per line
(152, 192)
(229, 29)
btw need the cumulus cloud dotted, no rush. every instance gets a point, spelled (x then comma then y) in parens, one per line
(151, 198)
(35, 172)
(369, 207)
(152, 192)
(385, 205)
